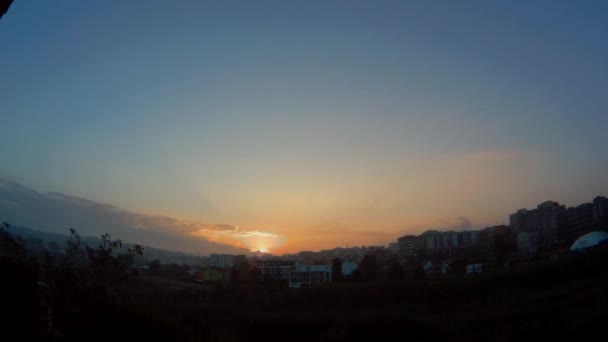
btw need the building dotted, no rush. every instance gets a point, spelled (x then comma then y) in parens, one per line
(543, 220)
(429, 240)
(467, 239)
(600, 213)
(527, 242)
(584, 218)
(383, 256)
(407, 246)
(394, 247)
(225, 261)
(496, 240)
(518, 220)
(438, 245)
(575, 222)
(549, 213)
(307, 276)
(275, 268)
(435, 267)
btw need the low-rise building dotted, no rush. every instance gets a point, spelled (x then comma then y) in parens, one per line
(307, 276)
(275, 268)
(225, 261)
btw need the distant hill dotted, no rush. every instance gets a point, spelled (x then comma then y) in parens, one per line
(56, 212)
(38, 240)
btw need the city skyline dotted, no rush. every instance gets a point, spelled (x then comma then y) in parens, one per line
(298, 126)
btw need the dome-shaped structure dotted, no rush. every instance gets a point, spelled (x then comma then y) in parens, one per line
(589, 240)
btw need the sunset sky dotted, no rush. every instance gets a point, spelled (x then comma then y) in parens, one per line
(298, 125)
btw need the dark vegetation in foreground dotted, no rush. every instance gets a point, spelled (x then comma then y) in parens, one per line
(92, 293)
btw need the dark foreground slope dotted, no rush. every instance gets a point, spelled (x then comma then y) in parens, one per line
(566, 299)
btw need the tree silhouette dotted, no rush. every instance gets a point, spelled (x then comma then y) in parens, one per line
(11, 247)
(18, 292)
(108, 266)
(396, 272)
(336, 270)
(235, 278)
(368, 269)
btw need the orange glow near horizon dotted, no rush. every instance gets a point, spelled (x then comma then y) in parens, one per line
(310, 212)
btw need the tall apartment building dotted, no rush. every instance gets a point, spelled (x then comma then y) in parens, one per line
(584, 218)
(407, 246)
(543, 220)
(497, 242)
(467, 239)
(600, 213)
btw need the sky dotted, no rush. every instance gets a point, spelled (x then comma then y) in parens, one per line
(299, 125)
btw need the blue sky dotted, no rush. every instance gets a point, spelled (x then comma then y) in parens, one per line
(326, 122)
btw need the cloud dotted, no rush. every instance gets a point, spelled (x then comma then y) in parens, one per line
(220, 227)
(252, 239)
(462, 223)
(465, 223)
(56, 212)
(255, 233)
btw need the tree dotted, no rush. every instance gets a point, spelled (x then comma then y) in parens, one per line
(336, 270)
(10, 247)
(106, 264)
(73, 249)
(18, 292)
(396, 272)
(234, 276)
(368, 269)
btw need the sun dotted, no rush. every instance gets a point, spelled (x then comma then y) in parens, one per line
(260, 250)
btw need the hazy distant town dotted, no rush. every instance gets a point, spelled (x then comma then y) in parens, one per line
(547, 231)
